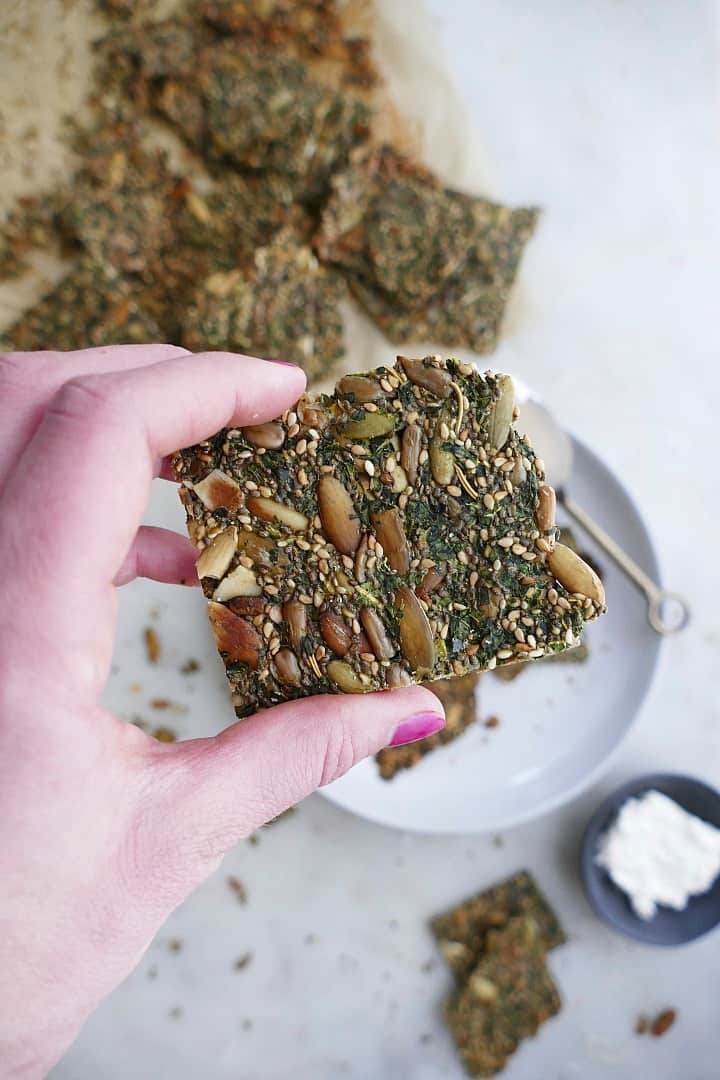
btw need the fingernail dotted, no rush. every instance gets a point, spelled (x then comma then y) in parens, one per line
(285, 363)
(417, 727)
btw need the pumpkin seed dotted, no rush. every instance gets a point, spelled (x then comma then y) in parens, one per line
(369, 426)
(389, 531)
(359, 389)
(345, 678)
(336, 632)
(410, 452)
(502, 415)
(269, 436)
(237, 639)
(416, 640)
(423, 373)
(269, 510)
(287, 668)
(442, 462)
(295, 615)
(574, 574)
(377, 635)
(545, 509)
(338, 515)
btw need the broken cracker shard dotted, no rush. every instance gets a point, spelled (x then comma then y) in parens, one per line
(323, 576)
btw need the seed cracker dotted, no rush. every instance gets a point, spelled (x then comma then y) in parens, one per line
(88, 307)
(398, 530)
(462, 932)
(285, 304)
(426, 262)
(505, 999)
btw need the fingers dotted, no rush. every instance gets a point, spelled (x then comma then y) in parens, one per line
(228, 786)
(28, 382)
(161, 555)
(89, 464)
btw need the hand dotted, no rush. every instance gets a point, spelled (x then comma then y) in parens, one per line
(104, 830)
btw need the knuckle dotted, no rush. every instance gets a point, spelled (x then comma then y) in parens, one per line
(85, 400)
(344, 747)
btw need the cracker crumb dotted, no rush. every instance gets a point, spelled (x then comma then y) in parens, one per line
(238, 889)
(152, 644)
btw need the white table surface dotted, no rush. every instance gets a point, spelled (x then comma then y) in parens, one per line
(607, 115)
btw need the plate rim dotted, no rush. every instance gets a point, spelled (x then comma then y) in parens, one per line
(572, 792)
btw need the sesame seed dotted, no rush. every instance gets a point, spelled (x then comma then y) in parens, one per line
(301, 446)
(369, 468)
(454, 490)
(488, 501)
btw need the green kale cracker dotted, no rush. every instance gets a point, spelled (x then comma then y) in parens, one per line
(89, 307)
(283, 304)
(462, 932)
(506, 997)
(427, 263)
(397, 530)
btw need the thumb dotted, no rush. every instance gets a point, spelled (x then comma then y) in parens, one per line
(252, 771)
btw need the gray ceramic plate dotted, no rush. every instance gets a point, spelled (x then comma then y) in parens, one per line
(559, 723)
(668, 927)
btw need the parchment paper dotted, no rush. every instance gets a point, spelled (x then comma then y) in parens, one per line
(45, 65)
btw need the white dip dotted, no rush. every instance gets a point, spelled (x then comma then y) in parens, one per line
(658, 853)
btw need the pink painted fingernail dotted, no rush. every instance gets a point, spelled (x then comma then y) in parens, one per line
(417, 727)
(285, 363)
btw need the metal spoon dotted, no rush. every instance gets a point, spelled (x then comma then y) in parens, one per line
(667, 611)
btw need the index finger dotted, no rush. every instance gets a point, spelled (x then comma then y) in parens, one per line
(90, 462)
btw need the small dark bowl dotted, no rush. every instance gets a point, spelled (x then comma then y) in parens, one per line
(667, 927)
